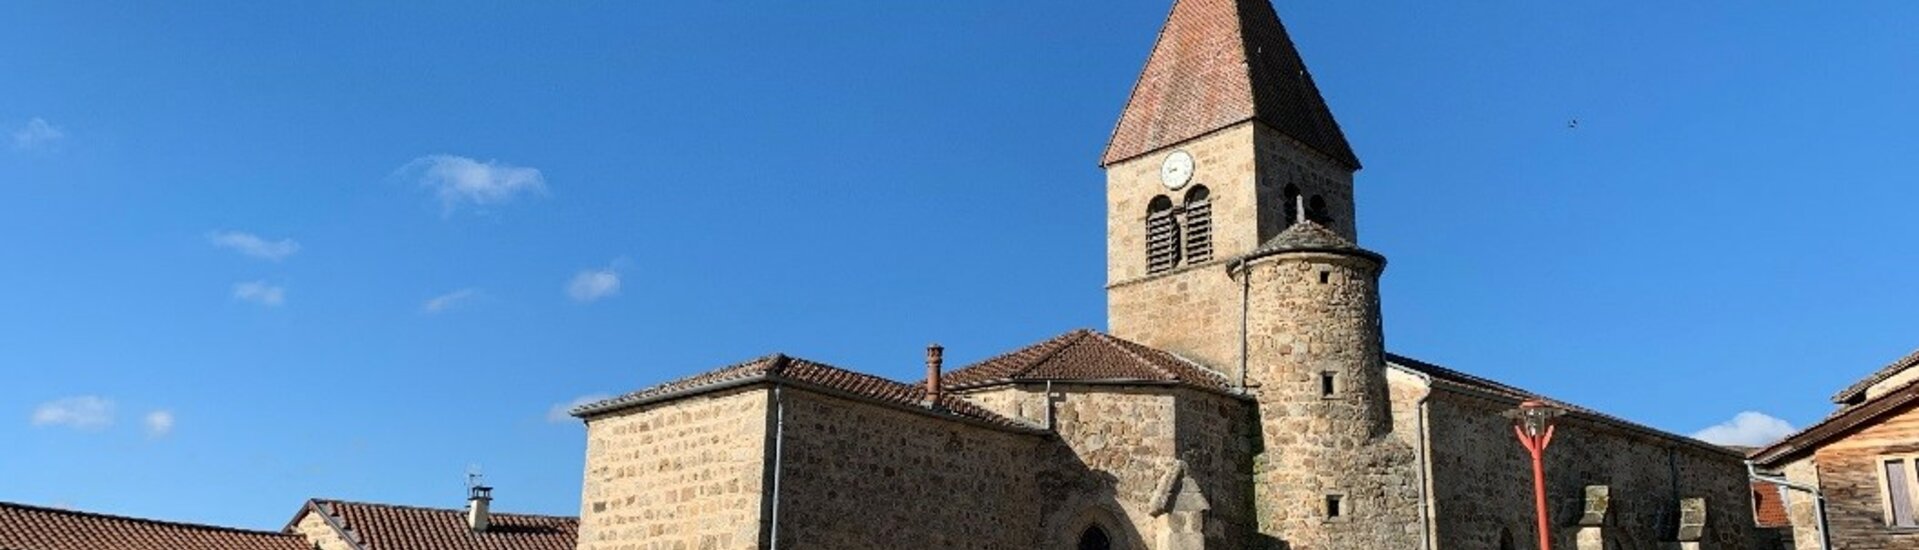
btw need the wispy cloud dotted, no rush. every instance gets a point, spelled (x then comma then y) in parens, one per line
(86, 412)
(593, 285)
(1746, 429)
(36, 134)
(449, 300)
(259, 292)
(459, 181)
(559, 411)
(253, 245)
(159, 423)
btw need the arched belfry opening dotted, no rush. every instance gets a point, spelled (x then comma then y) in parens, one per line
(1317, 211)
(1095, 538)
(1199, 224)
(1162, 235)
(1289, 207)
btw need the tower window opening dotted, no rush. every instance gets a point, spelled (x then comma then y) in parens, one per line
(1325, 277)
(1199, 225)
(1316, 211)
(1289, 207)
(1162, 235)
(1328, 384)
(1094, 538)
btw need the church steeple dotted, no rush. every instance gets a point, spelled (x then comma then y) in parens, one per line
(1218, 63)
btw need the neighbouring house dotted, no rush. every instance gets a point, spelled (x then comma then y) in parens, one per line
(1242, 397)
(321, 524)
(1863, 461)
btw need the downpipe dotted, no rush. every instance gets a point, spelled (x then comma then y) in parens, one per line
(1818, 500)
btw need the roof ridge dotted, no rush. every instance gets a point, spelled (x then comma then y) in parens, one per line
(1065, 341)
(103, 515)
(1910, 360)
(432, 509)
(1110, 341)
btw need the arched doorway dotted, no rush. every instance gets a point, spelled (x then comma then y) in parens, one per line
(1095, 538)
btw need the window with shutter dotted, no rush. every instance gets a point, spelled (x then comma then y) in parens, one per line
(1199, 225)
(1898, 486)
(1162, 235)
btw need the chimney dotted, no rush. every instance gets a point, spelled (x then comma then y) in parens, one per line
(477, 499)
(934, 355)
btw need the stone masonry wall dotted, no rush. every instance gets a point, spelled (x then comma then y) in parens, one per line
(1222, 161)
(1801, 508)
(857, 475)
(1850, 474)
(1483, 481)
(1315, 314)
(683, 475)
(1215, 438)
(1115, 443)
(1283, 162)
(1193, 313)
(320, 534)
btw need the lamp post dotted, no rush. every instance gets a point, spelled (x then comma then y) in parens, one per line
(1533, 423)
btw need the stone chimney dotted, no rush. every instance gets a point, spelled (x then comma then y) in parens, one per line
(477, 499)
(934, 355)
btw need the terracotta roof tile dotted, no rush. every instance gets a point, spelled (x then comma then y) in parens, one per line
(1768, 506)
(391, 527)
(1218, 63)
(781, 368)
(24, 527)
(1086, 356)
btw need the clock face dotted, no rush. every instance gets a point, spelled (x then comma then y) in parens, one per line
(1177, 170)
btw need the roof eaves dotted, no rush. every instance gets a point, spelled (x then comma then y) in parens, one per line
(1837, 425)
(1911, 360)
(628, 402)
(1003, 423)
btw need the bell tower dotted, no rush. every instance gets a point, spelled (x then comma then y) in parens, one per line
(1231, 240)
(1224, 140)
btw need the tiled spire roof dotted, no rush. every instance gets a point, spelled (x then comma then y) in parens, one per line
(1218, 63)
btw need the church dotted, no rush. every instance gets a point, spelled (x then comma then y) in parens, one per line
(1241, 398)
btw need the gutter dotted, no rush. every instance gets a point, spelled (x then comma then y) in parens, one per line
(1425, 460)
(779, 446)
(1818, 499)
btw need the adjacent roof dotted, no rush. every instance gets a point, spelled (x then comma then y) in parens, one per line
(1087, 356)
(1456, 379)
(779, 368)
(1218, 63)
(24, 527)
(1844, 422)
(1859, 388)
(391, 527)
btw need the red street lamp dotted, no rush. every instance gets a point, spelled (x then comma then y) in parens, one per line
(1533, 423)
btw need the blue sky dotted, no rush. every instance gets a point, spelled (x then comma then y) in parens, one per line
(260, 252)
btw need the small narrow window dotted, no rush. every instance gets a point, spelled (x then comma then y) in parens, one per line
(1335, 506)
(1199, 225)
(1325, 277)
(1328, 384)
(1162, 235)
(1898, 488)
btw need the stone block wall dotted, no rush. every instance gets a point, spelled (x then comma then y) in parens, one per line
(1483, 482)
(1215, 437)
(686, 475)
(1114, 445)
(1194, 313)
(1223, 162)
(1801, 507)
(858, 475)
(1282, 162)
(320, 534)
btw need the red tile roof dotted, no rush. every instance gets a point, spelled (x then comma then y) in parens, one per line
(1218, 63)
(391, 527)
(1086, 356)
(24, 527)
(1768, 506)
(782, 369)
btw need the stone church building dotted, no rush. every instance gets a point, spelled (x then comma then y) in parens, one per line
(1243, 397)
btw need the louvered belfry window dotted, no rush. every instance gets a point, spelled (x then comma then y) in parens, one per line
(1199, 225)
(1162, 235)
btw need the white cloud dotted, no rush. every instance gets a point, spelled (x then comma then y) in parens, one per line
(85, 412)
(159, 423)
(252, 245)
(460, 180)
(559, 411)
(593, 285)
(449, 300)
(37, 134)
(1746, 429)
(260, 292)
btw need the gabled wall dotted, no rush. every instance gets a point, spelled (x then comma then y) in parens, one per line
(682, 474)
(1848, 473)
